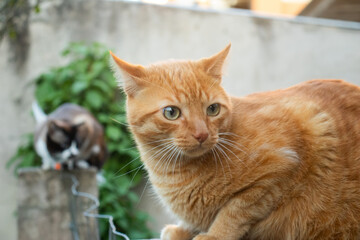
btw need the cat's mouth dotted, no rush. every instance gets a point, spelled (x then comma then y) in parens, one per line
(197, 151)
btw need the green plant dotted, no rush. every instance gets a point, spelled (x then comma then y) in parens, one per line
(87, 80)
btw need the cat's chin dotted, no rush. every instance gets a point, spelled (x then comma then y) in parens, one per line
(197, 152)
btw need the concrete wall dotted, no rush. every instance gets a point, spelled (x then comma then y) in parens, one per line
(267, 53)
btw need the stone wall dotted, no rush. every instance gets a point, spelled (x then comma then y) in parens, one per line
(267, 53)
(47, 209)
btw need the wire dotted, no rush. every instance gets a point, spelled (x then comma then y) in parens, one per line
(89, 211)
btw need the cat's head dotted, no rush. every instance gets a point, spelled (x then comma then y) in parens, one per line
(177, 106)
(61, 140)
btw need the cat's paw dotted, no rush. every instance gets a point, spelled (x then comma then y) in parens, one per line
(173, 232)
(46, 166)
(205, 237)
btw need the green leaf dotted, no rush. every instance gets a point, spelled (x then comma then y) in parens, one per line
(101, 85)
(96, 69)
(113, 133)
(94, 98)
(133, 197)
(79, 86)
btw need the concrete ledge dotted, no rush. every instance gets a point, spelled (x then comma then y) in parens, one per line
(45, 201)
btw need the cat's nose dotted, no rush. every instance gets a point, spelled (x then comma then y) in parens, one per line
(201, 137)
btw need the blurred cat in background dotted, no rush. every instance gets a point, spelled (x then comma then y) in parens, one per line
(69, 136)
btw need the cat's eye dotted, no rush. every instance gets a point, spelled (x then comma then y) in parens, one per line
(213, 109)
(171, 112)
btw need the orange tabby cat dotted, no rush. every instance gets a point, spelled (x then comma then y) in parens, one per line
(275, 165)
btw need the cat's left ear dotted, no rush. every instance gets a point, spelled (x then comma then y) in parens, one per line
(214, 65)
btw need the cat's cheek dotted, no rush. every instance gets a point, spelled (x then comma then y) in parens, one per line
(222, 123)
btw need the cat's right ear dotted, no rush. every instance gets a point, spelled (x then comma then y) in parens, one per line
(129, 76)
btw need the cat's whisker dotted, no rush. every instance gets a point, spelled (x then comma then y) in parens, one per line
(129, 148)
(176, 158)
(143, 191)
(232, 144)
(163, 146)
(169, 159)
(216, 166)
(227, 159)
(116, 173)
(230, 134)
(222, 166)
(157, 141)
(166, 160)
(223, 145)
(181, 159)
(132, 179)
(224, 141)
(117, 121)
(132, 170)
(136, 159)
(165, 150)
(240, 146)
(151, 143)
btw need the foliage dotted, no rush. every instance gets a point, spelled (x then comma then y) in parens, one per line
(88, 81)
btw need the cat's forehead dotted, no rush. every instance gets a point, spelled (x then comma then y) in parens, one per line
(174, 71)
(182, 79)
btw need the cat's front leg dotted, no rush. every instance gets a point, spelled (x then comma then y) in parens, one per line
(82, 164)
(46, 164)
(235, 219)
(175, 232)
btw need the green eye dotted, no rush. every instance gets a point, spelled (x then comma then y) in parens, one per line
(213, 109)
(171, 113)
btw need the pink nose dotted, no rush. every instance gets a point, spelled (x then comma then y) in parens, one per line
(201, 137)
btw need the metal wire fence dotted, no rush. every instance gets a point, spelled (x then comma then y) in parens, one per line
(85, 218)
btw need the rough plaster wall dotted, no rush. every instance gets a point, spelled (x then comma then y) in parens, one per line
(266, 54)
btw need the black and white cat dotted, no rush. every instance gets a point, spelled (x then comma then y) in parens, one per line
(69, 136)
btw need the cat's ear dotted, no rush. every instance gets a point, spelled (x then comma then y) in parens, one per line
(56, 125)
(77, 125)
(214, 65)
(132, 75)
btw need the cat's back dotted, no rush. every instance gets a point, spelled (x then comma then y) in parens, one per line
(69, 112)
(324, 93)
(318, 122)
(335, 101)
(330, 94)
(316, 111)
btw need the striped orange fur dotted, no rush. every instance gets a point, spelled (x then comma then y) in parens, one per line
(276, 165)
